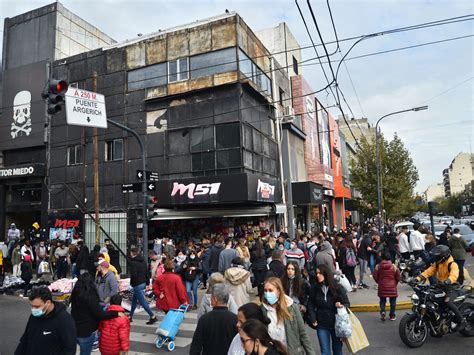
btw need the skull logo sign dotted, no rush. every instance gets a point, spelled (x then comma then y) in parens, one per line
(21, 114)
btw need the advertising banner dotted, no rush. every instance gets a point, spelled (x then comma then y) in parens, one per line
(65, 225)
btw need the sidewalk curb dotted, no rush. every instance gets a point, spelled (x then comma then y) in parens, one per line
(375, 307)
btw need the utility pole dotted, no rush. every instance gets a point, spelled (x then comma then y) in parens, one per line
(96, 170)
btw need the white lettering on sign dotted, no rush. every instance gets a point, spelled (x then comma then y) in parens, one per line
(195, 190)
(29, 170)
(265, 190)
(85, 108)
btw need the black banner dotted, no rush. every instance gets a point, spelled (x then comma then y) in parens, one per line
(307, 193)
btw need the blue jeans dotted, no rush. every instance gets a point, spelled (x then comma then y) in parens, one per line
(85, 344)
(372, 263)
(192, 286)
(393, 304)
(325, 336)
(139, 296)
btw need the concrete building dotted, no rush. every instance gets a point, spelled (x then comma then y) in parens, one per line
(433, 192)
(360, 127)
(461, 172)
(30, 42)
(200, 97)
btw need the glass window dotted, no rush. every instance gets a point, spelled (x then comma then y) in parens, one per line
(228, 158)
(228, 136)
(202, 139)
(151, 76)
(74, 155)
(114, 150)
(172, 71)
(295, 65)
(203, 161)
(245, 65)
(197, 162)
(216, 62)
(183, 69)
(178, 70)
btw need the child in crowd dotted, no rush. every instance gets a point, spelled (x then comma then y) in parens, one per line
(115, 333)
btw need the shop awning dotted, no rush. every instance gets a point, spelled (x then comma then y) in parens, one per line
(307, 193)
(161, 214)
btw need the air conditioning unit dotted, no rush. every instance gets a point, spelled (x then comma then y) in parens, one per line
(289, 111)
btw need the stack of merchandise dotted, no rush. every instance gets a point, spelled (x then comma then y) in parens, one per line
(11, 284)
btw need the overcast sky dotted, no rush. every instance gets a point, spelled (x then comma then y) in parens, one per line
(439, 75)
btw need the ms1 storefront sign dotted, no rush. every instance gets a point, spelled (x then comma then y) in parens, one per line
(85, 108)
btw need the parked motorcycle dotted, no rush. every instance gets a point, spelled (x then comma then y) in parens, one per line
(410, 268)
(430, 315)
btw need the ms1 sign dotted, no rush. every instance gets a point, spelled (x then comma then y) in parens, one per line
(85, 108)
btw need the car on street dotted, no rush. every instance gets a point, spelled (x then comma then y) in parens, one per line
(399, 225)
(438, 228)
(467, 233)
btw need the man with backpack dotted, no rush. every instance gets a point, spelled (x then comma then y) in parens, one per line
(363, 254)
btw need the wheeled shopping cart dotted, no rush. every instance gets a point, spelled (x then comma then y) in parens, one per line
(169, 327)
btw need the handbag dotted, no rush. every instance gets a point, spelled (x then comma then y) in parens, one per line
(358, 340)
(342, 325)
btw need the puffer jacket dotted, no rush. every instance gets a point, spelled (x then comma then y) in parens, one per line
(238, 281)
(387, 276)
(114, 333)
(169, 291)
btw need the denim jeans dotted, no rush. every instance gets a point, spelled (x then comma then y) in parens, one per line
(461, 270)
(393, 304)
(85, 344)
(326, 337)
(192, 286)
(372, 263)
(362, 268)
(139, 296)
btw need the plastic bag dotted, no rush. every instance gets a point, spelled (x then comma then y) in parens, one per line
(43, 268)
(343, 326)
(343, 281)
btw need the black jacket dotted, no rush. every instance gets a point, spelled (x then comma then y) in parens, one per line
(214, 258)
(26, 272)
(87, 314)
(323, 309)
(258, 262)
(139, 272)
(363, 253)
(114, 258)
(190, 275)
(52, 334)
(82, 261)
(214, 332)
(276, 269)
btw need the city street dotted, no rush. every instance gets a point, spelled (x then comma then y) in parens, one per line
(383, 337)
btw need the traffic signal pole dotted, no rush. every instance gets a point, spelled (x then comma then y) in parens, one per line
(95, 142)
(144, 185)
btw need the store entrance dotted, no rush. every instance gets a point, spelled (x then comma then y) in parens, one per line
(23, 220)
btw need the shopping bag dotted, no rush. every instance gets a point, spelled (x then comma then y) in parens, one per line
(358, 340)
(343, 326)
(343, 281)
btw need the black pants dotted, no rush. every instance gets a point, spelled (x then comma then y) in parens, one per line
(406, 255)
(204, 279)
(349, 271)
(450, 304)
(259, 279)
(62, 268)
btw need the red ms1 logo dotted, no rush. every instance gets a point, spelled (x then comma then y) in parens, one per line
(65, 223)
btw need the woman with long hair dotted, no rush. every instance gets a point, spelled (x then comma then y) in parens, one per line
(295, 286)
(259, 266)
(347, 259)
(247, 311)
(169, 289)
(286, 323)
(325, 298)
(256, 340)
(87, 312)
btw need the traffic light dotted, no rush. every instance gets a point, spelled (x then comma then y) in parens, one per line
(151, 202)
(55, 95)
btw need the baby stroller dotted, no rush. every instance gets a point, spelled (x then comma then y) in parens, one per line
(169, 327)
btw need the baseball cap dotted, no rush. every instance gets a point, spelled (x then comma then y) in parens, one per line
(103, 263)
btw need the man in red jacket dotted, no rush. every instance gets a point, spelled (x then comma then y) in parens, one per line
(169, 289)
(114, 333)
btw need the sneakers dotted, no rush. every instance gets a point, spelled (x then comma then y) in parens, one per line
(130, 319)
(152, 320)
(382, 316)
(393, 317)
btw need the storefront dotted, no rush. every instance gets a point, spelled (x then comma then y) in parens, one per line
(307, 199)
(205, 206)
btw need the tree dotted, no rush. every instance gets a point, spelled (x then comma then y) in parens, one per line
(398, 174)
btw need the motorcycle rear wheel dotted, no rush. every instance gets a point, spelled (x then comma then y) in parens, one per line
(412, 337)
(468, 331)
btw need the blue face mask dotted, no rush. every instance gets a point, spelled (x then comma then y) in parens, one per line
(271, 298)
(37, 312)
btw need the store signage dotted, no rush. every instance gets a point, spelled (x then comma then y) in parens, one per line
(328, 177)
(329, 192)
(317, 194)
(64, 223)
(265, 191)
(13, 172)
(195, 190)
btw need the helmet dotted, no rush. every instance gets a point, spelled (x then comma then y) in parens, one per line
(440, 253)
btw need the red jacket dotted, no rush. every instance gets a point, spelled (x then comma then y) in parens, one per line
(170, 291)
(114, 334)
(387, 276)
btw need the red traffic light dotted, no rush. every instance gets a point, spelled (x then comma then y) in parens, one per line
(57, 86)
(153, 199)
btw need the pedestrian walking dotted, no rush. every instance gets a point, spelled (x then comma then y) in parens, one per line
(139, 279)
(16, 259)
(82, 259)
(13, 236)
(347, 259)
(243, 251)
(216, 329)
(41, 252)
(169, 289)
(458, 246)
(62, 255)
(50, 329)
(286, 323)
(295, 254)
(114, 256)
(417, 241)
(191, 272)
(324, 299)
(205, 305)
(226, 257)
(259, 267)
(106, 283)
(295, 286)
(276, 268)
(256, 340)
(238, 281)
(87, 312)
(26, 273)
(363, 256)
(205, 262)
(114, 333)
(325, 256)
(404, 243)
(387, 276)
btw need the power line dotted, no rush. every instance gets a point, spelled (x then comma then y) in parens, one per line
(448, 90)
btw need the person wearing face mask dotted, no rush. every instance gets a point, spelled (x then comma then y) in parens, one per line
(256, 340)
(286, 323)
(295, 254)
(295, 286)
(191, 277)
(246, 312)
(41, 252)
(179, 260)
(50, 329)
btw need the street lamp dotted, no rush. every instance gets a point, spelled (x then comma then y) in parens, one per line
(377, 158)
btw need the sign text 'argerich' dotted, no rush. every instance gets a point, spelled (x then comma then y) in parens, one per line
(85, 108)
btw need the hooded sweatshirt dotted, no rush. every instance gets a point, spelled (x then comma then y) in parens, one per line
(107, 286)
(51, 334)
(458, 246)
(324, 256)
(238, 281)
